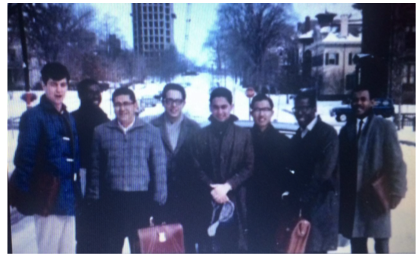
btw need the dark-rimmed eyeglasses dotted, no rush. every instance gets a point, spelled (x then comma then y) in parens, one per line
(175, 102)
(123, 105)
(261, 110)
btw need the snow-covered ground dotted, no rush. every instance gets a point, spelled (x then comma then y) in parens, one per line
(197, 107)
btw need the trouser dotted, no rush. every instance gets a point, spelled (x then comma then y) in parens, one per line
(55, 233)
(125, 213)
(359, 245)
(90, 228)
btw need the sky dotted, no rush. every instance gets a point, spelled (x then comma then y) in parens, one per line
(203, 17)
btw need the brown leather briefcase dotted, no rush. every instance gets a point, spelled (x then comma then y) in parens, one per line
(161, 239)
(299, 237)
(377, 194)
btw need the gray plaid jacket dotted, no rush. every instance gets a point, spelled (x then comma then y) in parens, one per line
(127, 162)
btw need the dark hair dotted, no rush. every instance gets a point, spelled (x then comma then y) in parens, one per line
(310, 95)
(261, 97)
(54, 71)
(362, 88)
(83, 85)
(124, 91)
(173, 86)
(221, 92)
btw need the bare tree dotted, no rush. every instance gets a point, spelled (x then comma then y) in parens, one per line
(245, 32)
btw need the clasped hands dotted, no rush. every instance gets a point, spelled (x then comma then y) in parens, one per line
(219, 192)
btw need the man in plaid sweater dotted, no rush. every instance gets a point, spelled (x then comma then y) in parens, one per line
(128, 171)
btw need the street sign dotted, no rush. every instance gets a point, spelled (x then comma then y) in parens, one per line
(250, 92)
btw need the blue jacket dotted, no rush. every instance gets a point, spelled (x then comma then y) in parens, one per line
(47, 143)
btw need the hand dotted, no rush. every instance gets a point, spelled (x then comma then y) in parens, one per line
(395, 200)
(219, 192)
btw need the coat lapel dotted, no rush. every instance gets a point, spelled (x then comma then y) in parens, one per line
(183, 133)
(160, 122)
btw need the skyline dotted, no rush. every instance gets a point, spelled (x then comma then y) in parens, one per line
(203, 17)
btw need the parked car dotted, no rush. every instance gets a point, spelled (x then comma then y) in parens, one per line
(383, 107)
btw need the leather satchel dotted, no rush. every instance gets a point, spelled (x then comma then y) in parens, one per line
(299, 237)
(42, 195)
(378, 193)
(161, 239)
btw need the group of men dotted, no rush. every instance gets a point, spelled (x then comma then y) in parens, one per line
(232, 189)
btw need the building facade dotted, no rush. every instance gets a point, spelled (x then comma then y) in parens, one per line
(153, 27)
(327, 47)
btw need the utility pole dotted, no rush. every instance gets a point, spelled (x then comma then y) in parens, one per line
(187, 33)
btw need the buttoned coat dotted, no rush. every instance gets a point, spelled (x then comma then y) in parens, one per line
(236, 160)
(178, 164)
(48, 142)
(315, 161)
(127, 161)
(377, 149)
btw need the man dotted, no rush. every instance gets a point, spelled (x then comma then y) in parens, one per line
(87, 117)
(176, 130)
(368, 146)
(48, 147)
(127, 158)
(315, 160)
(269, 179)
(223, 158)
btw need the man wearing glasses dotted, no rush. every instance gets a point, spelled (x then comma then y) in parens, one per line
(269, 178)
(127, 159)
(314, 159)
(176, 130)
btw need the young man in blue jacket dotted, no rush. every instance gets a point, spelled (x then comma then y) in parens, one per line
(48, 146)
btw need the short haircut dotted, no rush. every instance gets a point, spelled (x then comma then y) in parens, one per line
(221, 92)
(310, 95)
(83, 85)
(54, 71)
(124, 91)
(174, 86)
(261, 97)
(362, 88)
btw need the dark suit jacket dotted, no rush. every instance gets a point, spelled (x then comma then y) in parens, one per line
(178, 169)
(315, 159)
(231, 162)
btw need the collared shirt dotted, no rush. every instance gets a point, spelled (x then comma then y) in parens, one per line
(309, 127)
(363, 124)
(173, 130)
(125, 129)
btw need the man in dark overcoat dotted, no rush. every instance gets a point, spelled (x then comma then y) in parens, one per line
(368, 146)
(315, 161)
(87, 117)
(269, 180)
(176, 131)
(223, 161)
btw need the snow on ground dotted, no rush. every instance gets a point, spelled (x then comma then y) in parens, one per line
(197, 107)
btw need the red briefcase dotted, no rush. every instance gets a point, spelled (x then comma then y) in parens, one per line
(161, 239)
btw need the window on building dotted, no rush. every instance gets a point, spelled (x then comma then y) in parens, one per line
(167, 11)
(150, 8)
(167, 5)
(156, 39)
(331, 59)
(168, 25)
(161, 31)
(156, 31)
(161, 46)
(161, 24)
(161, 16)
(168, 33)
(160, 8)
(150, 16)
(145, 16)
(156, 8)
(151, 31)
(351, 59)
(161, 39)
(168, 40)
(146, 46)
(156, 24)
(150, 23)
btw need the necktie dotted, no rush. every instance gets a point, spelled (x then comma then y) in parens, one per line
(360, 128)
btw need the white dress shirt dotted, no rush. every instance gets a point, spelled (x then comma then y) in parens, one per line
(309, 127)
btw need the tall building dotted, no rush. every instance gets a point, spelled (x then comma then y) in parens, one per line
(153, 27)
(327, 47)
